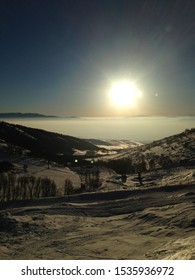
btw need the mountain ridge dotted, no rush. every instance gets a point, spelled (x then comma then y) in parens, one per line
(172, 151)
(42, 143)
(25, 115)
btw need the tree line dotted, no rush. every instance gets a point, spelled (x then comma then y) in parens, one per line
(14, 187)
(90, 180)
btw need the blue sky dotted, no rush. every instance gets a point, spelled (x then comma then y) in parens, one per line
(61, 57)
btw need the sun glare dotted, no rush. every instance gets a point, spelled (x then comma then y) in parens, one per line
(124, 93)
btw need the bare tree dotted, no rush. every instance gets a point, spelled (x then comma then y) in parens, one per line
(68, 187)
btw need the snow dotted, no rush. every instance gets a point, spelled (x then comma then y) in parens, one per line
(24, 133)
(152, 221)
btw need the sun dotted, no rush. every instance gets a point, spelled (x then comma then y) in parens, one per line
(124, 93)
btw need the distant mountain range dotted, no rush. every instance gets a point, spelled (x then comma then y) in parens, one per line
(23, 115)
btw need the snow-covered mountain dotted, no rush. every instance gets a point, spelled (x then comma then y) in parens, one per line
(173, 151)
(176, 150)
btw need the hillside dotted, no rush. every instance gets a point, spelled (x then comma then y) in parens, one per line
(117, 220)
(174, 151)
(152, 224)
(42, 143)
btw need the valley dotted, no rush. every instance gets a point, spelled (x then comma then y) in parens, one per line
(121, 217)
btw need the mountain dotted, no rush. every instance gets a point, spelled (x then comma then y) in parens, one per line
(23, 115)
(42, 143)
(172, 151)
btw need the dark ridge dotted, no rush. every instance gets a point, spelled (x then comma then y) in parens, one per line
(98, 142)
(42, 143)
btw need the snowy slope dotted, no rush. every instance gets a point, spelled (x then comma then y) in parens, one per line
(176, 150)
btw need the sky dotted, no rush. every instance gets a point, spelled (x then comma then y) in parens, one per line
(62, 57)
